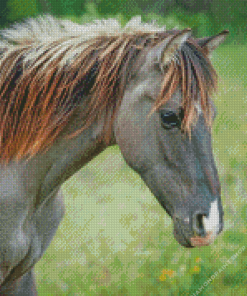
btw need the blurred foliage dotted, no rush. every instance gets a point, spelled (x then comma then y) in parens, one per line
(19, 9)
(67, 7)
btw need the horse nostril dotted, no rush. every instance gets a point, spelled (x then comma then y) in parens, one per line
(198, 227)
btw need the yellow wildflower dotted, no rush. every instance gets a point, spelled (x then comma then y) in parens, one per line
(168, 272)
(196, 269)
(162, 277)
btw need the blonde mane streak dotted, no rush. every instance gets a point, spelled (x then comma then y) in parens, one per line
(39, 30)
(46, 29)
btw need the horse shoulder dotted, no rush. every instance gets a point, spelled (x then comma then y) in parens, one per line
(25, 232)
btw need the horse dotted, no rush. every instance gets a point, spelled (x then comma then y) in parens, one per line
(69, 91)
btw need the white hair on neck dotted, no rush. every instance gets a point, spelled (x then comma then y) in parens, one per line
(46, 28)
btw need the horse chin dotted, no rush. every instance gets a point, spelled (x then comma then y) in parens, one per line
(181, 238)
(188, 241)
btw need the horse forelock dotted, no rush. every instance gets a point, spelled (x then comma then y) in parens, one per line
(192, 71)
(41, 75)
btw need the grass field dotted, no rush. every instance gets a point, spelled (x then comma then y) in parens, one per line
(117, 240)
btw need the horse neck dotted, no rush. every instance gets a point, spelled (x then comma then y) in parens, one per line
(68, 155)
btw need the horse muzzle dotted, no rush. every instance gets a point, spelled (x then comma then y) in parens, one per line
(200, 229)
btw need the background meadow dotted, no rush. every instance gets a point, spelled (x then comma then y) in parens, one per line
(115, 238)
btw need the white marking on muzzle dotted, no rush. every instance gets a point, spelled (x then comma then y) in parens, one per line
(212, 222)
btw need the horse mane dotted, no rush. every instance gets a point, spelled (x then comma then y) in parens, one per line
(46, 63)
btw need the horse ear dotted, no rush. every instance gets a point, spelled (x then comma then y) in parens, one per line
(163, 53)
(175, 43)
(211, 43)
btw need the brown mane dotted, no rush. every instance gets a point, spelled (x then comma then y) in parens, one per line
(40, 82)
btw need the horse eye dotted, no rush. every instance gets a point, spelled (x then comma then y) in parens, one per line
(170, 120)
